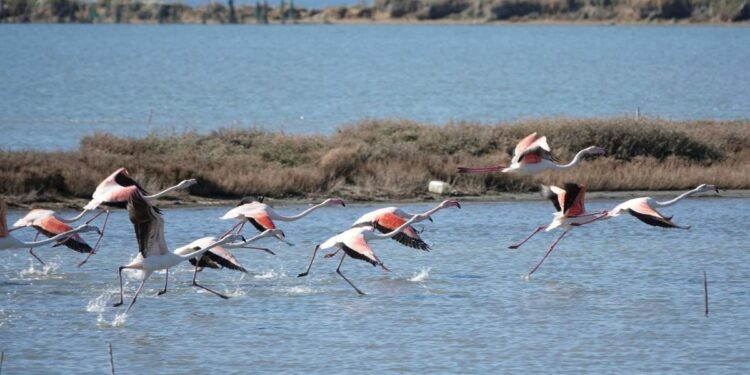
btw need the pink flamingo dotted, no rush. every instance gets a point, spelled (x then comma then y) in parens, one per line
(7, 241)
(218, 257)
(385, 220)
(153, 254)
(571, 212)
(354, 243)
(262, 216)
(49, 223)
(644, 208)
(533, 155)
(114, 191)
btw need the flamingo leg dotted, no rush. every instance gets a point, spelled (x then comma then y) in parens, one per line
(231, 229)
(95, 216)
(312, 259)
(99, 240)
(119, 272)
(195, 283)
(137, 292)
(600, 215)
(31, 250)
(166, 281)
(548, 252)
(338, 271)
(241, 226)
(537, 230)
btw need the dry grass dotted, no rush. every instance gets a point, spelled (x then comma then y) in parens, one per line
(387, 159)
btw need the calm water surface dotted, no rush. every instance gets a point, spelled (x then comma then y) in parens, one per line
(617, 297)
(61, 82)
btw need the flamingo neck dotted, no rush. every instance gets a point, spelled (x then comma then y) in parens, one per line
(253, 239)
(163, 192)
(74, 218)
(573, 162)
(299, 215)
(680, 197)
(200, 252)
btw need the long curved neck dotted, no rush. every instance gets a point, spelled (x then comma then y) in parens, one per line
(299, 215)
(680, 197)
(573, 162)
(242, 244)
(163, 192)
(51, 239)
(74, 218)
(200, 252)
(399, 229)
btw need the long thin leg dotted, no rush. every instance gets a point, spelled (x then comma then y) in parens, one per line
(338, 271)
(548, 252)
(600, 216)
(95, 216)
(119, 271)
(312, 259)
(537, 230)
(195, 284)
(241, 226)
(137, 292)
(31, 250)
(232, 228)
(166, 281)
(101, 235)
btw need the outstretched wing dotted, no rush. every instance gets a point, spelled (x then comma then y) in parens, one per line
(574, 199)
(261, 221)
(51, 226)
(534, 152)
(357, 247)
(224, 258)
(551, 193)
(645, 213)
(122, 178)
(388, 222)
(148, 225)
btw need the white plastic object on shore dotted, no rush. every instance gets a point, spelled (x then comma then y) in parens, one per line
(439, 187)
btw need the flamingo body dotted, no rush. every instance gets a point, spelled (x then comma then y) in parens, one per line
(47, 222)
(389, 218)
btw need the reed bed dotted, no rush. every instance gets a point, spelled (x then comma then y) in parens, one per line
(390, 159)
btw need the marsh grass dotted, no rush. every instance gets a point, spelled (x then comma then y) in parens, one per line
(391, 159)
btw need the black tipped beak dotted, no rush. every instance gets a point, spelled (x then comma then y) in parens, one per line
(430, 219)
(458, 205)
(717, 190)
(243, 238)
(343, 204)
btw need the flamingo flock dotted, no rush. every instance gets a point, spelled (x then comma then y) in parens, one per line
(121, 191)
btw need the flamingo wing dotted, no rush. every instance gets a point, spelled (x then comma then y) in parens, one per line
(357, 247)
(261, 221)
(51, 226)
(645, 213)
(551, 193)
(536, 152)
(574, 199)
(523, 144)
(122, 178)
(224, 258)
(148, 225)
(388, 222)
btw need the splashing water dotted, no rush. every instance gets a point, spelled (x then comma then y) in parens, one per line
(33, 273)
(421, 275)
(270, 274)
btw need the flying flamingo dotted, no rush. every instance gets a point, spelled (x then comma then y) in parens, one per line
(218, 257)
(387, 219)
(7, 241)
(571, 212)
(354, 243)
(261, 215)
(114, 191)
(644, 208)
(533, 155)
(49, 223)
(153, 254)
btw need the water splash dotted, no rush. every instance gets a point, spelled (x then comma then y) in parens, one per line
(45, 272)
(118, 321)
(300, 289)
(421, 275)
(270, 274)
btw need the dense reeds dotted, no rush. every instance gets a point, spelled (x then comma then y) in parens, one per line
(387, 159)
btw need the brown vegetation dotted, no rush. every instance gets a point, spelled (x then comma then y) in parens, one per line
(134, 11)
(391, 159)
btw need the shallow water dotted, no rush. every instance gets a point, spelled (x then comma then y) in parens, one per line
(616, 297)
(61, 82)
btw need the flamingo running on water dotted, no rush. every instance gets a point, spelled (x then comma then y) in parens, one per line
(218, 257)
(387, 219)
(49, 223)
(114, 191)
(153, 254)
(533, 155)
(354, 243)
(644, 208)
(7, 241)
(571, 212)
(261, 215)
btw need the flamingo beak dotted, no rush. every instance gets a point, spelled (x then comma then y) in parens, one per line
(430, 219)
(717, 189)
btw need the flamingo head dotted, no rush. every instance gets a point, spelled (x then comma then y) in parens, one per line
(88, 228)
(278, 233)
(450, 203)
(334, 202)
(232, 237)
(184, 184)
(595, 150)
(706, 187)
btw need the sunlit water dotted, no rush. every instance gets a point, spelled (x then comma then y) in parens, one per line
(616, 297)
(61, 82)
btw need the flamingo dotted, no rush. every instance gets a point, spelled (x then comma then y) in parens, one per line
(387, 219)
(7, 241)
(218, 257)
(644, 208)
(571, 212)
(49, 223)
(354, 243)
(153, 254)
(114, 191)
(261, 215)
(533, 155)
